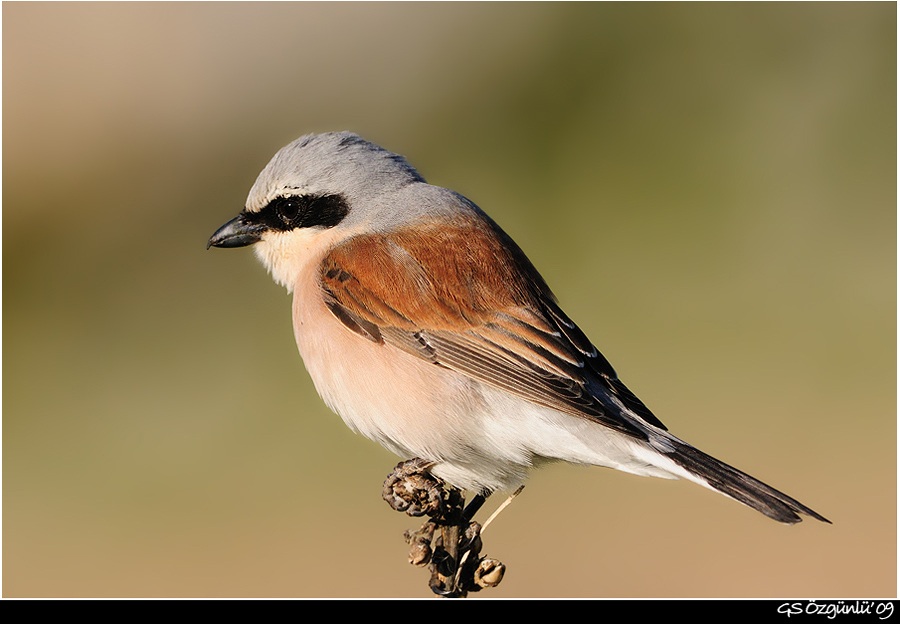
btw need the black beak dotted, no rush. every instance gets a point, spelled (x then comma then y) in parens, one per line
(239, 232)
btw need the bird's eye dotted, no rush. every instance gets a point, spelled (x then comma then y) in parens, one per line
(287, 210)
(290, 212)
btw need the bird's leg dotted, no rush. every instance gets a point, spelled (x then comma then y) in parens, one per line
(473, 506)
(453, 552)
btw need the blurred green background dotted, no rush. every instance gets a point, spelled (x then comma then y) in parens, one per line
(710, 189)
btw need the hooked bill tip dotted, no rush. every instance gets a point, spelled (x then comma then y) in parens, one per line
(236, 233)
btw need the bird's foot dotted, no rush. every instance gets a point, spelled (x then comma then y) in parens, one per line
(449, 542)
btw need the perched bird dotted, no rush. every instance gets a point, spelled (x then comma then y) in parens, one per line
(428, 330)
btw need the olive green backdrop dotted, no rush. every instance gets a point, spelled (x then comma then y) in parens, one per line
(710, 189)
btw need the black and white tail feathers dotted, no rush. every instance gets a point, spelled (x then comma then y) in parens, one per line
(739, 485)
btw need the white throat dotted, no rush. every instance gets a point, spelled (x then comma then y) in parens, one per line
(286, 254)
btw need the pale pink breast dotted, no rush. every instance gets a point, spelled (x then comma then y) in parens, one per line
(412, 407)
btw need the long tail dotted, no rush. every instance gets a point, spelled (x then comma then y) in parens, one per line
(740, 486)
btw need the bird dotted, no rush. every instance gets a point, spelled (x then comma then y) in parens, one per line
(427, 329)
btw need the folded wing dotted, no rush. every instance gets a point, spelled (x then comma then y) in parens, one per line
(466, 298)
